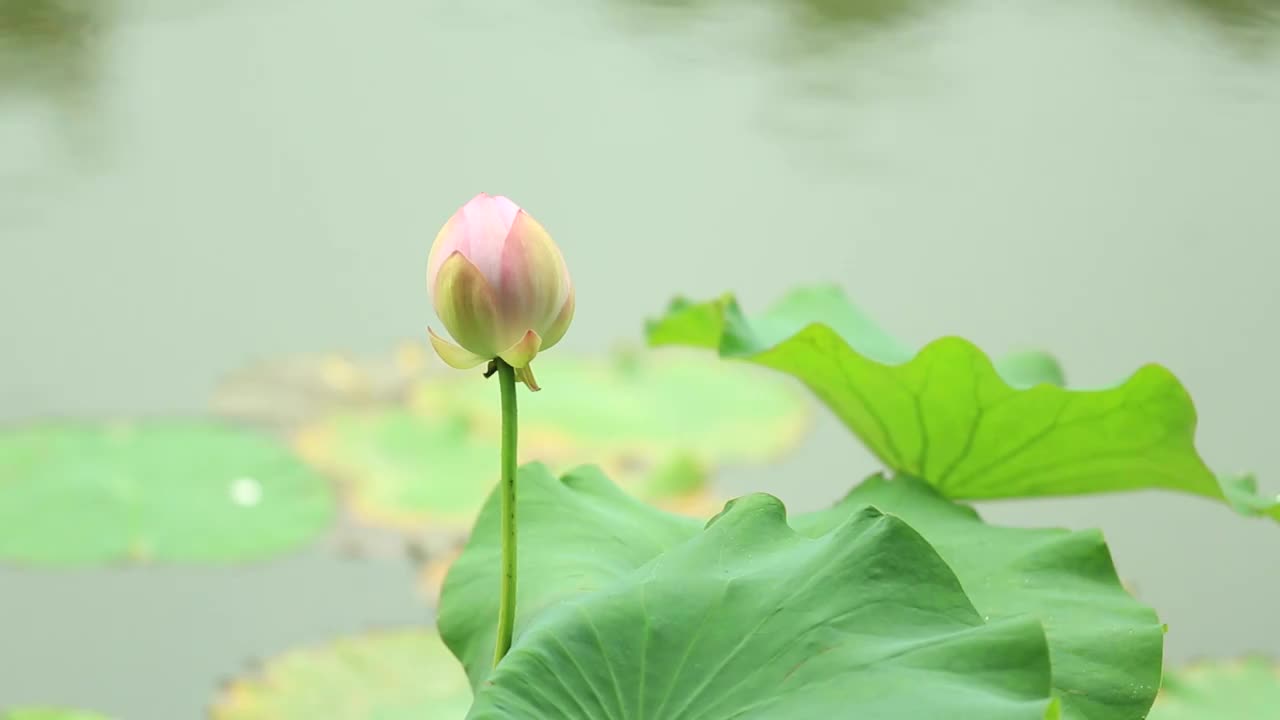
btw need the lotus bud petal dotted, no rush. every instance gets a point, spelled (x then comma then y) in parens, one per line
(499, 285)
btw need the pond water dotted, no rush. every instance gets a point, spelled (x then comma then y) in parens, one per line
(189, 186)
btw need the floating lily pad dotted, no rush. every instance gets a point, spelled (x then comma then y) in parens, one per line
(638, 405)
(1246, 689)
(287, 392)
(651, 617)
(946, 414)
(680, 484)
(1105, 646)
(49, 713)
(403, 469)
(400, 675)
(77, 494)
(409, 470)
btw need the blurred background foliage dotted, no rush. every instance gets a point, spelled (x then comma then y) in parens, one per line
(416, 457)
(195, 196)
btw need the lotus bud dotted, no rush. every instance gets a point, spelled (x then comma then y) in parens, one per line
(499, 285)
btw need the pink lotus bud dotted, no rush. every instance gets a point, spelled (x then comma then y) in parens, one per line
(499, 285)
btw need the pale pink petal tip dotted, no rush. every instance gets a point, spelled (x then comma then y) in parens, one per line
(506, 209)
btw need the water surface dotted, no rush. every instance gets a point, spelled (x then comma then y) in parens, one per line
(186, 187)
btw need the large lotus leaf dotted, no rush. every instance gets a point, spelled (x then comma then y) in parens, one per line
(946, 415)
(1105, 646)
(577, 534)
(78, 494)
(679, 486)
(638, 405)
(409, 470)
(399, 675)
(1246, 689)
(49, 713)
(745, 619)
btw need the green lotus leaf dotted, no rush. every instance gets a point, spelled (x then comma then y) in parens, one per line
(630, 612)
(394, 675)
(577, 534)
(81, 494)
(947, 416)
(1247, 689)
(1105, 646)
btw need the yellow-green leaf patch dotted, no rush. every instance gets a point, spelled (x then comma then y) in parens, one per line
(1247, 689)
(390, 675)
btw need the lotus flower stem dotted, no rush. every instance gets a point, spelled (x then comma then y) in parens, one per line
(500, 286)
(507, 598)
